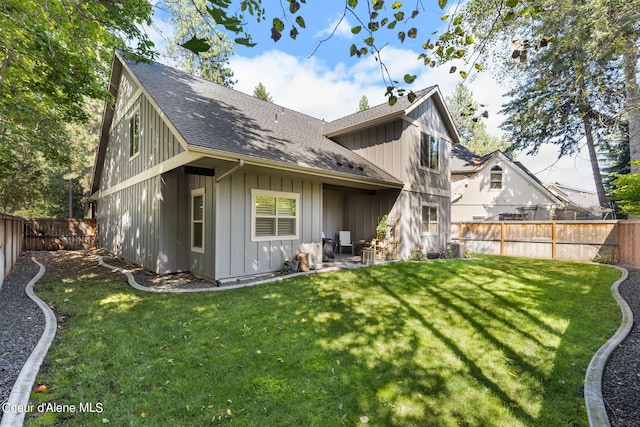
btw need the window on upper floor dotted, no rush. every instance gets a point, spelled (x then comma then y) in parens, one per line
(496, 177)
(134, 133)
(274, 216)
(429, 151)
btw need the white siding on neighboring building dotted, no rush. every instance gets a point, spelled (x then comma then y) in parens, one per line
(479, 201)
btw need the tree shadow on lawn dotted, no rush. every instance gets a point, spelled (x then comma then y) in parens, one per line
(321, 350)
(557, 311)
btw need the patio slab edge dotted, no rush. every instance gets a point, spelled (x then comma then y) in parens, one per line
(19, 396)
(596, 410)
(132, 281)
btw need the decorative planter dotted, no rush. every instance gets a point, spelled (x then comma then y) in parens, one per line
(367, 256)
(293, 266)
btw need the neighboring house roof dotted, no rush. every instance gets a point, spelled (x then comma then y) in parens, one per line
(384, 113)
(219, 121)
(575, 196)
(466, 163)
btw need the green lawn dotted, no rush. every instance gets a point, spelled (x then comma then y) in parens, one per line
(489, 341)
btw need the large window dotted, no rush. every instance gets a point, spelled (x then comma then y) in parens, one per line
(134, 133)
(429, 152)
(197, 220)
(275, 215)
(429, 220)
(496, 177)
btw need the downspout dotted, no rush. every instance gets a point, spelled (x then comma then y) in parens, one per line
(230, 171)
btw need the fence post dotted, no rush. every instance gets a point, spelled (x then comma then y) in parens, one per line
(502, 231)
(553, 240)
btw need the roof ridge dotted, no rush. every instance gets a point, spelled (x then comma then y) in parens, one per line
(385, 104)
(223, 87)
(214, 117)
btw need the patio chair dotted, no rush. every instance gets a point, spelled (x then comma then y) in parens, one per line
(344, 239)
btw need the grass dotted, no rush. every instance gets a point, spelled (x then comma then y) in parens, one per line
(488, 341)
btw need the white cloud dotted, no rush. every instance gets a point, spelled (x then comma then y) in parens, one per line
(160, 32)
(309, 86)
(339, 26)
(573, 171)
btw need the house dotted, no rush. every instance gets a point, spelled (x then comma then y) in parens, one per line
(579, 204)
(493, 187)
(193, 176)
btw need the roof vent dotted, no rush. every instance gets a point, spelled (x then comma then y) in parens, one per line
(276, 118)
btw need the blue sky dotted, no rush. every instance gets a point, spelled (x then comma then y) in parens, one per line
(330, 83)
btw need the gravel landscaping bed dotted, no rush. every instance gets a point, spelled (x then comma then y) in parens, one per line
(22, 324)
(621, 378)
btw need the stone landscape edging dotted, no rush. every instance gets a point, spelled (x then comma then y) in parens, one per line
(596, 410)
(21, 391)
(132, 281)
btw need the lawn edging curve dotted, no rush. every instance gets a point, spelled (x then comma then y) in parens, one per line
(596, 410)
(19, 396)
(132, 281)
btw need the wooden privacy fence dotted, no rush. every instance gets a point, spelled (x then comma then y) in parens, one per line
(59, 234)
(602, 241)
(10, 244)
(629, 242)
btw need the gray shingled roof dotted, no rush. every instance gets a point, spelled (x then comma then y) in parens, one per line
(376, 113)
(215, 117)
(464, 161)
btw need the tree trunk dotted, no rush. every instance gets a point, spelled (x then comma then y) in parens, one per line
(593, 157)
(632, 100)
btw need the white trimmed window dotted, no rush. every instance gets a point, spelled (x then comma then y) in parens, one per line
(429, 220)
(134, 133)
(274, 215)
(197, 220)
(496, 177)
(429, 151)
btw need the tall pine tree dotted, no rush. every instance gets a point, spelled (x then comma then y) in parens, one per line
(467, 116)
(260, 92)
(191, 19)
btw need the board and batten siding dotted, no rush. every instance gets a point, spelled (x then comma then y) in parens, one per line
(480, 202)
(129, 222)
(237, 255)
(333, 213)
(356, 211)
(395, 147)
(202, 263)
(134, 222)
(157, 142)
